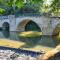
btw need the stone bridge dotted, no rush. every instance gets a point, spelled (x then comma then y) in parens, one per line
(48, 25)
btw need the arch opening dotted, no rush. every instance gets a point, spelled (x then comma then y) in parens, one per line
(32, 26)
(28, 25)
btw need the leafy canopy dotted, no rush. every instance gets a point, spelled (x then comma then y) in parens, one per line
(40, 5)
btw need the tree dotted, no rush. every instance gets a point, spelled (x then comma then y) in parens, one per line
(2, 11)
(37, 4)
(55, 7)
(11, 6)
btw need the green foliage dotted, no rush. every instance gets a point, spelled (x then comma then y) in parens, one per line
(2, 11)
(55, 7)
(36, 5)
(19, 3)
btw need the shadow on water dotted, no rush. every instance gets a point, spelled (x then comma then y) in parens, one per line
(56, 40)
(39, 41)
(5, 29)
(30, 42)
(0, 29)
(6, 34)
(47, 41)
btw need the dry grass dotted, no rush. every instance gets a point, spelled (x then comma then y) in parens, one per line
(10, 43)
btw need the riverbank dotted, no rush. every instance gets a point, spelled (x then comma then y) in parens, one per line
(10, 43)
(19, 44)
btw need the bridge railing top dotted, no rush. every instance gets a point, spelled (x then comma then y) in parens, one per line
(7, 17)
(28, 14)
(24, 14)
(17, 15)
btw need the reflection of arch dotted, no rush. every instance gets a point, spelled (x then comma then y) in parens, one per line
(6, 26)
(28, 25)
(56, 30)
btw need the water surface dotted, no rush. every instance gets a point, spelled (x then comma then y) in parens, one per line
(30, 43)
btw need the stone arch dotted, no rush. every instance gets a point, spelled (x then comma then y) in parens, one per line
(6, 26)
(56, 33)
(56, 29)
(25, 25)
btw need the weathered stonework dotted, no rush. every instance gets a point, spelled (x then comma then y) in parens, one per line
(47, 24)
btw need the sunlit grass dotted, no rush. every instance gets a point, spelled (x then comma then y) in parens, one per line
(10, 43)
(30, 34)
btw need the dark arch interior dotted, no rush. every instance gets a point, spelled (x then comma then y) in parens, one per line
(5, 29)
(32, 26)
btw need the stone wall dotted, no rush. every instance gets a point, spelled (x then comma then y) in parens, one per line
(47, 24)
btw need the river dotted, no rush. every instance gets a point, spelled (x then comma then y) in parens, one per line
(46, 41)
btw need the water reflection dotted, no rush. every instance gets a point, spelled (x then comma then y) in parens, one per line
(56, 40)
(0, 29)
(30, 42)
(6, 34)
(47, 41)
